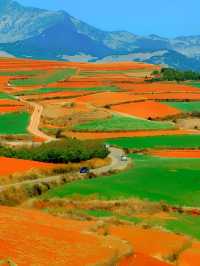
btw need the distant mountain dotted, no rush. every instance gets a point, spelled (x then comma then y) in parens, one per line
(37, 33)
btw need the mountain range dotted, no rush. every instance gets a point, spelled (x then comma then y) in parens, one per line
(41, 34)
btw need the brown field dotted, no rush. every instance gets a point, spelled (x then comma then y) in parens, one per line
(111, 135)
(158, 88)
(108, 98)
(20, 166)
(177, 153)
(147, 109)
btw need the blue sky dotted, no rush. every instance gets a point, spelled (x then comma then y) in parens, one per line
(163, 17)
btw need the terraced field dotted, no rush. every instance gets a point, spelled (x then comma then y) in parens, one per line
(121, 123)
(14, 123)
(153, 204)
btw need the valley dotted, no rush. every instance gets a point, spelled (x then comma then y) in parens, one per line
(57, 118)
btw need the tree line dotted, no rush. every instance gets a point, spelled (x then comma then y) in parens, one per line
(170, 74)
(63, 151)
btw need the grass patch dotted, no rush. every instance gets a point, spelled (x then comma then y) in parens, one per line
(186, 106)
(194, 84)
(175, 181)
(14, 123)
(47, 90)
(44, 79)
(121, 123)
(4, 95)
(185, 224)
(21, 73)
(157, 142)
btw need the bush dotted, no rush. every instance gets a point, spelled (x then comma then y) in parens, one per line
(63, 151)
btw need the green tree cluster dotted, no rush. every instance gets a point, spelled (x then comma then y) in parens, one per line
(63, 151)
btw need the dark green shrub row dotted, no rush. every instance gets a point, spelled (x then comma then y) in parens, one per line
(170, 74)
(63, 151)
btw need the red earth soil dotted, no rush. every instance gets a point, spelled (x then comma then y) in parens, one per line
(177, 153)
(171, 96)
(112, 135)
(151, 242)
(9, 109)
(191, 256)
(157, 88)
(147, 109)
(108, 98)
(20, 166)
(5, 102)
(142, 260)
(55, 95)
(35, 238)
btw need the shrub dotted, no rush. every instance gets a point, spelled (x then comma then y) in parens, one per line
(63, 151)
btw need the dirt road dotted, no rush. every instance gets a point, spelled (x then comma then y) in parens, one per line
(33, 127)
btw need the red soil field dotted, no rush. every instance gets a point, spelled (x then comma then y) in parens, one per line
(157, 87)
(191, 256)
(111, 135)
(5, 102)
(171, 96)
(147, 109)
(9, 109)
(142, 260)
(66, 94)
(177, 153)
(150, 242)
(117, 66)
(35, 238)
(108, 98)
(20, 166)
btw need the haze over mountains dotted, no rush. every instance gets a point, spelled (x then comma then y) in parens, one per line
(41, 34)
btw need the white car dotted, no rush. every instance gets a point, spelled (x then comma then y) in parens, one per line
(124, 158)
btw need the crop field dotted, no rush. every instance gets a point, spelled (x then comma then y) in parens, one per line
(159, 142)
(44, 79)
(109, 98)
(119, 123)
(14, 123)
(147, 109)
(186, 106)
(47, 104)
(151, 178)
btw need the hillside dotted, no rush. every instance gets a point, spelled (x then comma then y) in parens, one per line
(42, 34)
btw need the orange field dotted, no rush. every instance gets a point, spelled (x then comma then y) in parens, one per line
(177, 153)
(20, 166)
(146, 109)
(171, 96)
(51, 241)
(157, 88)
(66, 94)
(7, 109)
(142, 260)
(5, 102)
(108, 98)
(111, 135)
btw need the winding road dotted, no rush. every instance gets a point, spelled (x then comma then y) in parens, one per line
(116, 165)
(33, 127)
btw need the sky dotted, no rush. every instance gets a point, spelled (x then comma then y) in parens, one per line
(167, 18)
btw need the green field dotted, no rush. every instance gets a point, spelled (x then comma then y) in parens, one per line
(4, 95)
(158, 142)
(121, 123)
(14, 123)
(44, 79)
(188, 107)
(21, 73)
(47, 90)
(194, 84)
(175, 181)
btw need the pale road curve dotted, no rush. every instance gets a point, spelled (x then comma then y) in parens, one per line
(33, 127)
(116, 165)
